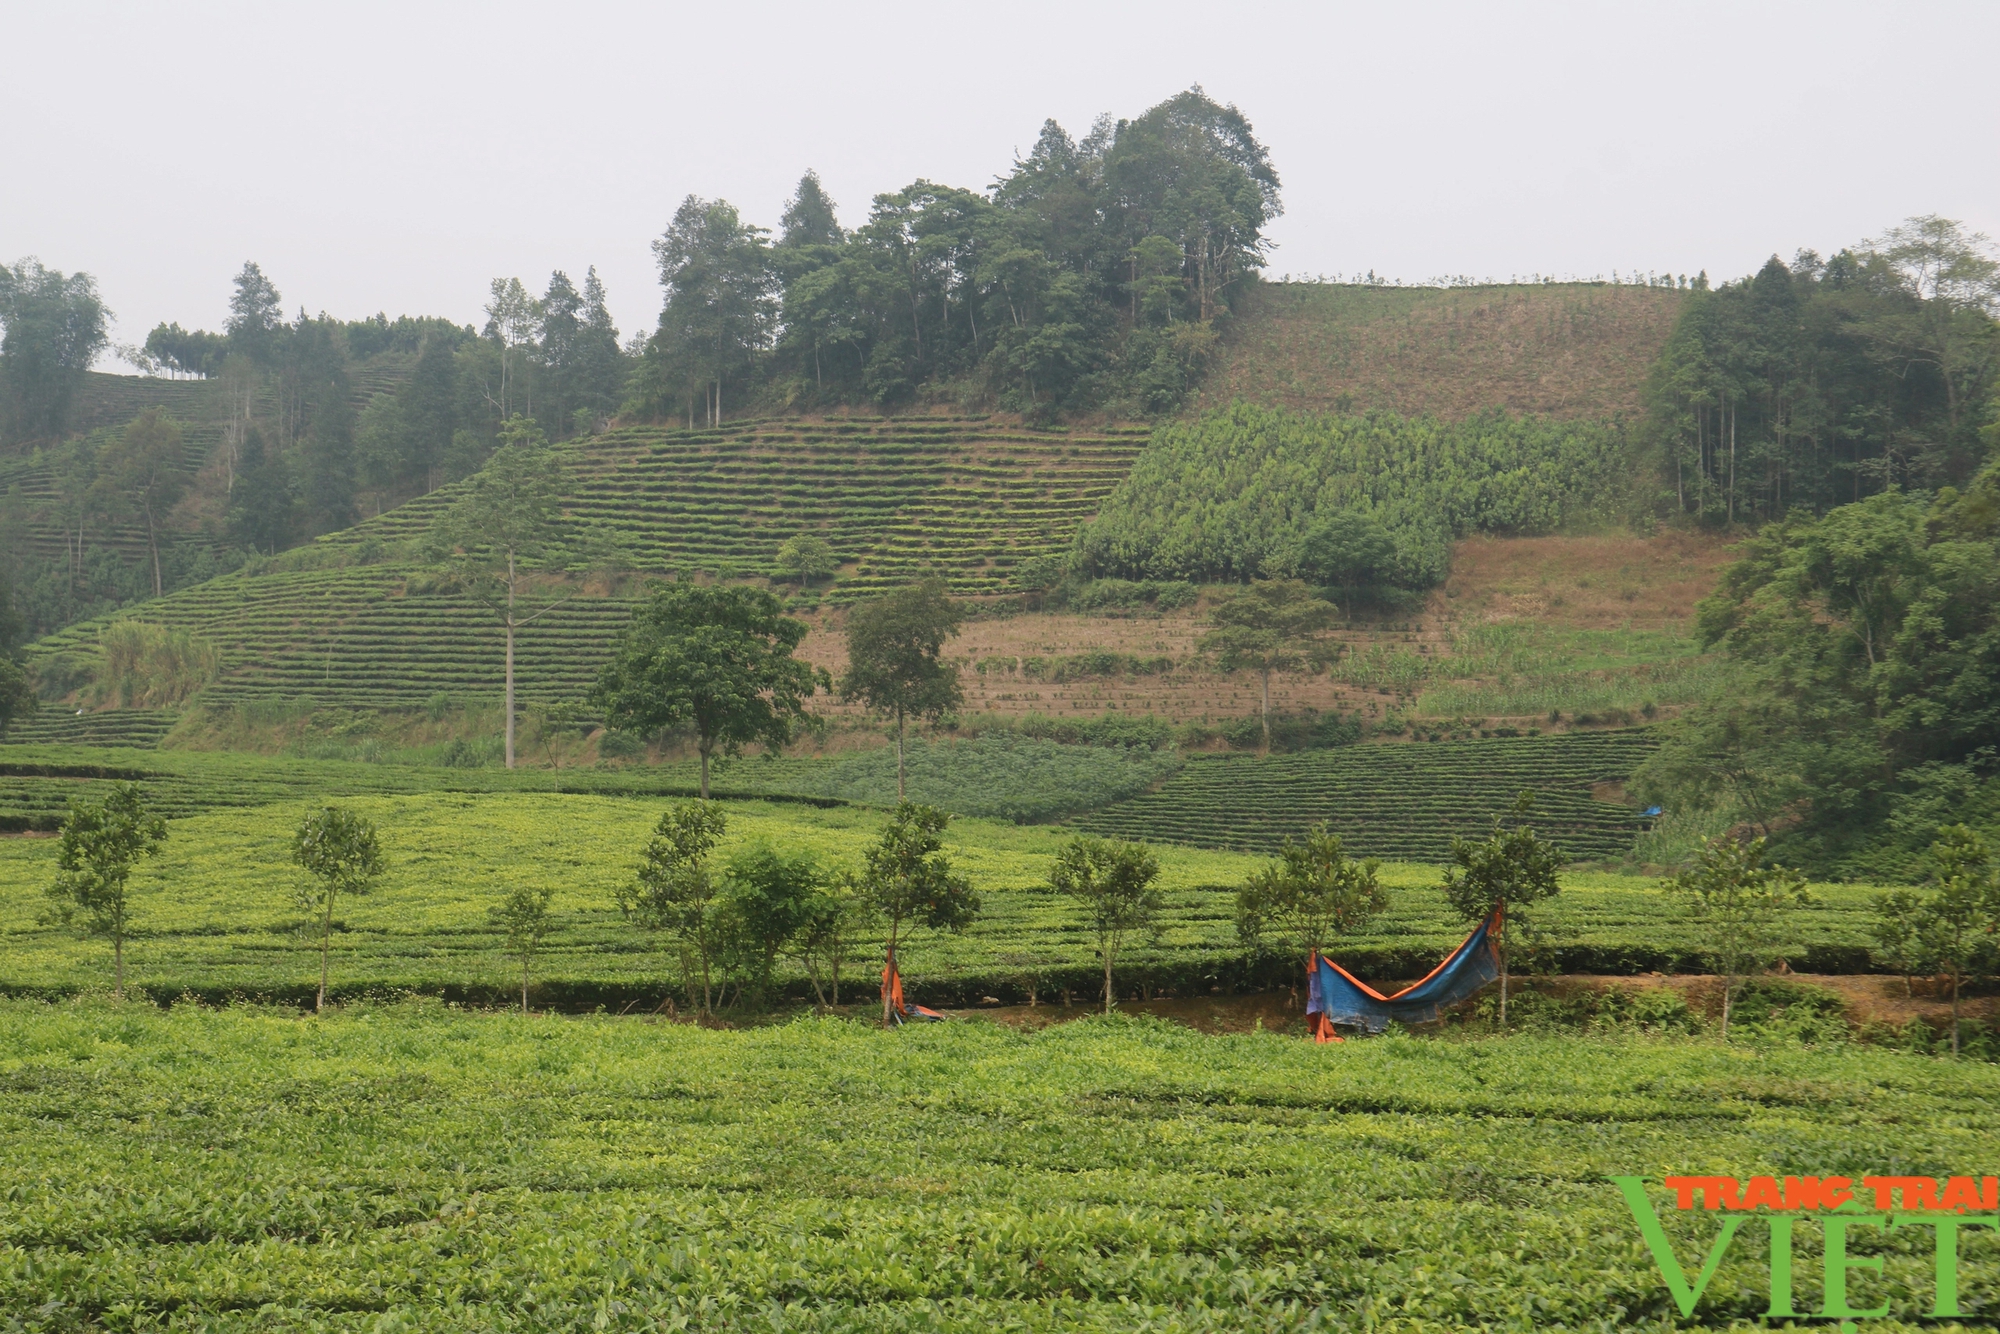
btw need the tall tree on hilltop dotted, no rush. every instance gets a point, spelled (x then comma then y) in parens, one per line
(719, 308)
(895, 657)
(1275, 625)
(601, 366)
(499, 532)
(510, 323)
(256, 315)
(718, 659)
(52, 327)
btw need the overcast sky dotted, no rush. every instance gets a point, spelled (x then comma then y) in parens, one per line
(398, 157)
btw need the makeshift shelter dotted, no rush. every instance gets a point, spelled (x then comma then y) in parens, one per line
(1336, 996)
(892, 996)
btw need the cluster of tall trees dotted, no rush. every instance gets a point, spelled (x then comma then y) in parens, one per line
(1863, 707)
(52, 326)
(303, 449)
(1091, 275)
(1824, 381)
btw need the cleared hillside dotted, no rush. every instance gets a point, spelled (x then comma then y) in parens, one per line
(1565, 349)
(966, 498)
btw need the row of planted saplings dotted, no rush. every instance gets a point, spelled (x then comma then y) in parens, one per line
(726, 926)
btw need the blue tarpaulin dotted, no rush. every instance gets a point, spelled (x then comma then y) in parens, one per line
(1338, 997)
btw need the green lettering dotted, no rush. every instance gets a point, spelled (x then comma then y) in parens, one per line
(1837, 1264)
(1781, 1266)
(1634, 1190)
(1947, 1225)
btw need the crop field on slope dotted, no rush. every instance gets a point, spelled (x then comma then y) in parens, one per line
(413, 1168)
(1402, 802)
(215, 913)
(895, 498)
(1563, 350)
(362, 637)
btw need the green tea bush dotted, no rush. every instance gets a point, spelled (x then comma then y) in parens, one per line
(415, 1167)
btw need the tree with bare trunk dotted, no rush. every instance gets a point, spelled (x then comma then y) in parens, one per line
(497, 535)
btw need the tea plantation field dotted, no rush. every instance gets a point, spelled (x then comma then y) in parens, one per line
(1393, 801)
(410, 1167)
(215, 914)
(966, 498)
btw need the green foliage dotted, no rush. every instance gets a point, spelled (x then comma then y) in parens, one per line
(674, 892)
(1246, 492)
(525, 918)
(1957, 923)
(1813, 384)
(716, 659)
(52, 327)
(1114, 885)
(142, 665)
(707, 1174)
(807, 558)
(1511, 871)
(1312, 893)
(341, 853)
(100, 843)
(1742, 910)
(1020, 778)
(1401, 801)
(908, 877)
(895, 657)
(1861, 675)
(769, 897)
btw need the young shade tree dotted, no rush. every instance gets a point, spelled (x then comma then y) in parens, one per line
(1741, 910)
(1276, 625)
(1511, 869)
(501, 529)
(524, 916)
(895, 662)
(142, 465)
(838, 913)
(1897, 929)
(1114, 884)
(1957, 922)
(675, 894)
(807, 558)
(907, 878)
(341, 854)
(101, 841)
(768, 899)
(716, 658)
(1312, 892)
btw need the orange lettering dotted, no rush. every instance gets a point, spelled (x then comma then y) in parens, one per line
(1882, 1186)
(1989, 1193)
(1715, 1191)
(1835, 1192)
(1761, 1193)
(1961, 1195)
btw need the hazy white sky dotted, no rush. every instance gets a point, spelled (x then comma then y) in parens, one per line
(398, 156)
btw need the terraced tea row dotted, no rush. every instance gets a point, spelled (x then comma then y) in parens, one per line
(358, 637)
(1404, 802)
(967, 499)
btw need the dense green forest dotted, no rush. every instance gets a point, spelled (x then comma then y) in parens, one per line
(1814, 384)
(1374, 500)
(1093, 276)
(1863, 706)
